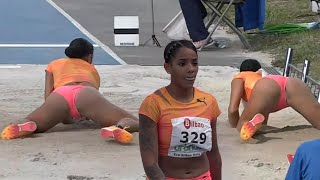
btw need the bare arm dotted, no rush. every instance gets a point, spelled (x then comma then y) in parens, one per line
(48, 85)
(214, 155)
(148, 142)
(237, 89)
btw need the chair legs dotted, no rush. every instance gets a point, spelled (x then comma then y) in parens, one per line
(214, 15)
(216, 9)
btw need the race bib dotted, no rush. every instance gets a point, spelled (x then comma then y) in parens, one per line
(191, 136)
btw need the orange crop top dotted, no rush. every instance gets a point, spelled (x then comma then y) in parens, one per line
(194, 116)
(73, 70)
(250, 78)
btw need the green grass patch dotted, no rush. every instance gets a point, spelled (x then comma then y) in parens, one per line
(305, 44)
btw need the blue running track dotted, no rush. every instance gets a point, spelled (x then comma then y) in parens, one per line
(29, 23)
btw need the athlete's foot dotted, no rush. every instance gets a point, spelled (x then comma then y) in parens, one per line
(121, 135)
(249, 128)
(14, 131)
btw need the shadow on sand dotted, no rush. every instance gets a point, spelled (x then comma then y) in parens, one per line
(260, 137)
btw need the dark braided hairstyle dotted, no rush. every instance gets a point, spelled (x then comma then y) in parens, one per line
(79, 48)
(172, 48)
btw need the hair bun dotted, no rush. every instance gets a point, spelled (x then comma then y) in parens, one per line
(79, 48)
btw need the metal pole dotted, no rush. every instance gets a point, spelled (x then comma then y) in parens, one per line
(153, 36)
(286, 69)
(152, 16)
(305, 70)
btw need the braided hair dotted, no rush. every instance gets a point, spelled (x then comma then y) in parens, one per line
(172, 48)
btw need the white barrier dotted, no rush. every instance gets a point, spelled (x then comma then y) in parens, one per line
(126, 30)
(305, 70)
(286, 69)
(315, 6)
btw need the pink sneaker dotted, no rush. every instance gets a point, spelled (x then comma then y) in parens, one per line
(14, 131)
(249, 128)
(121, 135)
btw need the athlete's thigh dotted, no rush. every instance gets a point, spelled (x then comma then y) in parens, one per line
(53, 111)
(301, 99)
(264, 98)
(93, 105)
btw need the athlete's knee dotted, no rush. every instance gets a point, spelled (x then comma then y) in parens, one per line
(317, 126)
(315, 123)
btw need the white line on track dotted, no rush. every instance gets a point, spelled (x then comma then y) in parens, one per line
(36, 45)
(87, 33)
(9, 66)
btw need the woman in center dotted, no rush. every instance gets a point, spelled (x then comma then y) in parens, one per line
(177, 130)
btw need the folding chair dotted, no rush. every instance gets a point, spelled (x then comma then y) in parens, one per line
(216, 7)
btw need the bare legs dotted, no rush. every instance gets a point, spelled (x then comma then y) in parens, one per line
(263, 100)
(91, 104)
(50, 113)
(53, 111)
(300, 98)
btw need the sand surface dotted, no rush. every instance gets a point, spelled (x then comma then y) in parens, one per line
(78, 152)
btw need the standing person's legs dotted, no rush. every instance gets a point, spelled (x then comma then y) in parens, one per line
(91, 104)
(203, 10)
(300, 98)
(194, 12)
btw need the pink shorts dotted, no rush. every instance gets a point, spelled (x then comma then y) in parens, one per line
(282, 82)
(204, 176)
(70, 93)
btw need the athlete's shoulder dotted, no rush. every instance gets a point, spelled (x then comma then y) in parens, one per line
(55, 64)
(58, 61)
(151, 102)
(247, 74)
(155, 95)
(242, 75)
(238, 75)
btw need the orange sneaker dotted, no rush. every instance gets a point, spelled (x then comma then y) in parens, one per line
(249, 128)
(14, 131)
(121, 135)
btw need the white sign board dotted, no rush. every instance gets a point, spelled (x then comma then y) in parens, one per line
(126, 30)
